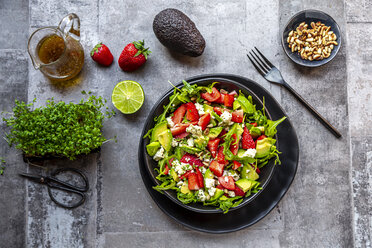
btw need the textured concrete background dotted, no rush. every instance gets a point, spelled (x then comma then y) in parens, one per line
(329, 203)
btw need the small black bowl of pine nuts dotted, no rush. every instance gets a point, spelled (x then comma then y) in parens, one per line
(311, 38)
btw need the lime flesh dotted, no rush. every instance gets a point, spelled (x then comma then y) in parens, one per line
(128, 96)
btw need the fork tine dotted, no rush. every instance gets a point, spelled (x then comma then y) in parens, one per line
(256, 66)
(266, 60)
(258, 62)
(268, 68)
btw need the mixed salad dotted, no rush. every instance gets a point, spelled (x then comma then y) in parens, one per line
(210, 145)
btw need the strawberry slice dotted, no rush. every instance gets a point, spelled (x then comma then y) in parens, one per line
(166, 170)
(228, 100)
(191, 112)
(213, 146)
(238, 191)
(179, 114)
(234, 147)
(181, 136)
(221, 157)
(227, 182)
(236, 165)
(204, 121)
(185, 175)
(219, 110)
(179, 128)
(247, 140)
(253, 124)
(211, 97)
(261, 137)
(200, 178)
(237, 116)
(216, 168)
(219, 186)
(221, 99)
(191, 159)
(193, 181)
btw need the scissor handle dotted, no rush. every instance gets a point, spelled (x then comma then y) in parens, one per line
(74, 205)
(66, 184)
(54, 183)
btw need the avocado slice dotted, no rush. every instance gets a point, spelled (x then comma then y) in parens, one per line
(217, 194)
(201, 142)
(238, 128)
(208, 174)
(214, 132)
(255, 132)
(236, 105)
(177, 32)
(248, 172)
(185, 188)
(165, 139)
(244, 184)
(158, 129)
(174, 175)
(190, 149)
(152, 148)
(263, 147)
(207, 108)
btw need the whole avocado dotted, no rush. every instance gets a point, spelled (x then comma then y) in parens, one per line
(177, 32)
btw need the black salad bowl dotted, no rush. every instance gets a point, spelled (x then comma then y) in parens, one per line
(150, 164)
(309, 16)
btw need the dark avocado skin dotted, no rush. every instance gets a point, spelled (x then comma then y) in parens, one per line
(177, 32)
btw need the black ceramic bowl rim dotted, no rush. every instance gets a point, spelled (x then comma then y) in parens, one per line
(298, 60)
(198, 207)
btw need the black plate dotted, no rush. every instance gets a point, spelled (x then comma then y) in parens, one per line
(309, 16)
(226, 84)
(257, 209)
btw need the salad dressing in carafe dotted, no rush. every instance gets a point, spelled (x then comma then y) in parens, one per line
(57, 52)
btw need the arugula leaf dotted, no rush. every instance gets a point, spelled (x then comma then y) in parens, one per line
(166, 185)
(229, 203)
(2, 166)
(246, 104)
(270, 127)
(186, 198)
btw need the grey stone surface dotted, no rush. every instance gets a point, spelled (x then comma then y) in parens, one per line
(13, 85)
(360, 102)
(330, 196)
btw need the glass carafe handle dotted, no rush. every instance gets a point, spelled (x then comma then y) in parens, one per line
(70, 26)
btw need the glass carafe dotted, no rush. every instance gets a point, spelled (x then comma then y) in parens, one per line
(56, 51)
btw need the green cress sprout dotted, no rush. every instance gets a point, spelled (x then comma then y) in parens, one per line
(2, 166)
(58, 129)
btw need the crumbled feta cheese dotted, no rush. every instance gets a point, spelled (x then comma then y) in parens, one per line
(202, 170)
(231, 193)
(159, 154)
(174, 142)
(212, 191)
(170, 122)
(190, 142)
(179, 168)
(247, 170)
(250, 153)
(226, 179)
(209, 183)
(236, 176)
(210, 125)
(226, 118)
(200, 108)
(194, 130)
(201, 195)
(225, 173)
(186, 166)
(180, 183)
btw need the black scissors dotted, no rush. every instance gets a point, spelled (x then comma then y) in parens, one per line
(54, 183)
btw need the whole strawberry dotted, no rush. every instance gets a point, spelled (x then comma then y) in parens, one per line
(133, 56)
(102, 55)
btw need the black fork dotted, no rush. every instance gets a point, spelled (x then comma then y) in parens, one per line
(273, 75)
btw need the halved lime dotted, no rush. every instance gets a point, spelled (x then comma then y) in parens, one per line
(128, 96)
